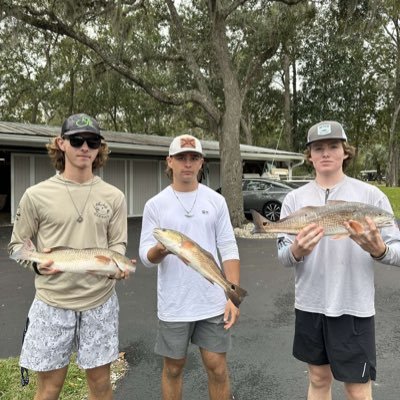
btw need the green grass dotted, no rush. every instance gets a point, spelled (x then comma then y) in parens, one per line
(393, 193)
(74, 387)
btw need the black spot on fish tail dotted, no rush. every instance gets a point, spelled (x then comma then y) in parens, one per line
(236, 294)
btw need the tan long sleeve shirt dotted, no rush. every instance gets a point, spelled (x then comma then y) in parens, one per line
(47, 215)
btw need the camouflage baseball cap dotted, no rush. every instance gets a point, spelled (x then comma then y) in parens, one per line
(79, 123)
(326, 130)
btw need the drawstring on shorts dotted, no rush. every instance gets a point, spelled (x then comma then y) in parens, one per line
(24, 371)
(78, 320)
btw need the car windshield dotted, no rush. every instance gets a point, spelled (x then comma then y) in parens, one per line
(259, 185)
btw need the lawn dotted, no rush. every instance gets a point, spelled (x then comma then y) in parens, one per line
(74, 388)
(393, 193)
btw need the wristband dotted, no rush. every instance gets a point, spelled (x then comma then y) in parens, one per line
(383, 255)
(35, 268)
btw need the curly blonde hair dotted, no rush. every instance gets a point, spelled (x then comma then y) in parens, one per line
(57, 156)
(349, 150)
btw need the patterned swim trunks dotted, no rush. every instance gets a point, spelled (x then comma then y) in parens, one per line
(54, 333)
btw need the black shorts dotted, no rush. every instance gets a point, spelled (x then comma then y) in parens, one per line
(347, 343)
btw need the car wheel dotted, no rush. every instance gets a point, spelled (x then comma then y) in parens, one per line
(272, 210)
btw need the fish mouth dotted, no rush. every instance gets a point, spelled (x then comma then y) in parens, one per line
(385, 222)
(157, 232)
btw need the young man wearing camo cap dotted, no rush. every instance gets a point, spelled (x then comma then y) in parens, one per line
(334, 279)
(76, 209)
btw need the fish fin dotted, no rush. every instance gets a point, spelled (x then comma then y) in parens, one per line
(356, 226)
(103, 259)
(121, 267)
(60, 248)
(259, 222)
(24, 252)
(236, 294)
(333, 202)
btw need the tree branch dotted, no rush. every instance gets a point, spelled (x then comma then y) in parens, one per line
(48, 21)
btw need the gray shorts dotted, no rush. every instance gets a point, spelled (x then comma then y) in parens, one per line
(54, 333)
(173, 337)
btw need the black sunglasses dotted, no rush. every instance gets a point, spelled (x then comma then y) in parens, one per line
(77, 141)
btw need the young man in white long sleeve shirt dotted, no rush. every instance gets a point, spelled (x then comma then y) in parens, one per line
(334, 279)
(190, 308)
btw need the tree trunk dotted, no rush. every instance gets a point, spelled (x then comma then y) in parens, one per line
(246, 131)
(231, 161)
(71, 91)
(392, 175)
(294, 103)
(287, 102)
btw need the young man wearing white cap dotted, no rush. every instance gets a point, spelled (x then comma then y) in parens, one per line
(190, 308)
(334, 290)
(77, 209)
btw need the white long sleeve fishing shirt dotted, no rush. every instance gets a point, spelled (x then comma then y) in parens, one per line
(338, 276)
(183, 294)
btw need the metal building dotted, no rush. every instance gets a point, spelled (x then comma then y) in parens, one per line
(136, 164)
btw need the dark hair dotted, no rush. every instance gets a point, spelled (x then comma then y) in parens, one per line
(57, 156)
(168, 171)
(349, 150)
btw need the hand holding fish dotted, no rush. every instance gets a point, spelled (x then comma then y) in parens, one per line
(119, 275)
(157, 253)
(369, 239)
(306, 240)
(46, 267)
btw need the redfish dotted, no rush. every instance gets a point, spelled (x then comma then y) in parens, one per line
(93, 260)
(200, 260)
(330, 216)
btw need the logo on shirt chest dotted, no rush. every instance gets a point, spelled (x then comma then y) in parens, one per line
(102, 210)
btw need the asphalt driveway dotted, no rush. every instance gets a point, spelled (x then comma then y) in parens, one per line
(261, 363)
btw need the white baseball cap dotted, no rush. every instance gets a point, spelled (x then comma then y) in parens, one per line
(326, 130)
(185, 144)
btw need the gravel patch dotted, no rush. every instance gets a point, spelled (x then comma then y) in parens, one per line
(245, 232)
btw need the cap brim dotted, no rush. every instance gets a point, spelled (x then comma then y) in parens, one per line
(186, 151)
(319, 139)
(81, 130)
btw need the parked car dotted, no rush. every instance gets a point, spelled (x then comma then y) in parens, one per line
(296, 183)
(263, 195)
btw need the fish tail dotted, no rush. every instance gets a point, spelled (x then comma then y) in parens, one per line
(24, 252)
(236, 294)
(260, 223)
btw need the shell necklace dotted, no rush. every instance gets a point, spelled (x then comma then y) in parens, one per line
(188, 213)
(80, 218)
